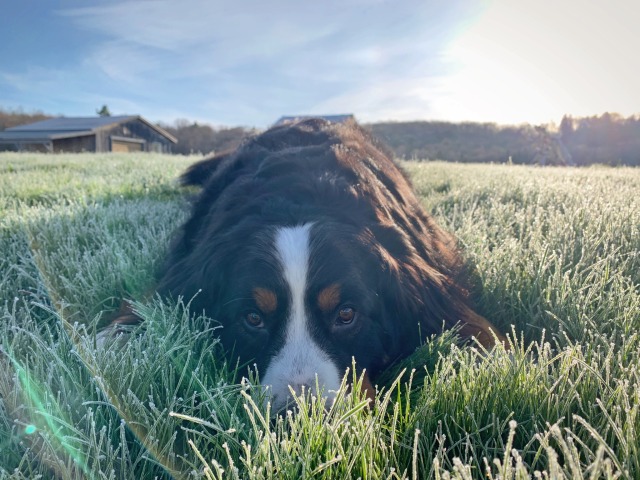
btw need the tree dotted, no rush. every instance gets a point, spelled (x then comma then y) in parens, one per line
(196, 138)
(104, 111)
(566, 128)
(13, 118)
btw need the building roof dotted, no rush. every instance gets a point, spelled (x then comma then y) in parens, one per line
(65, 127)
(297, 118)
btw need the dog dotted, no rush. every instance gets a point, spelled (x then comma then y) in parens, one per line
(309, 246)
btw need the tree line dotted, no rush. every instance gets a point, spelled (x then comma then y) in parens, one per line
(202, 138)
(609, 139)
(472, 142)
(16, 117)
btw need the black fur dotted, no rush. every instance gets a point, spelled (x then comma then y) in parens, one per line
(370, 235)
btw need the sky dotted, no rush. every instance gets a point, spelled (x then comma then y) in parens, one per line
(247, 62)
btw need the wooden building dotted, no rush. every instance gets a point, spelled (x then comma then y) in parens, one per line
(130, 133)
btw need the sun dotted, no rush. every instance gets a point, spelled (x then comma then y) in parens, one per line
(536, 61)
(493, 84)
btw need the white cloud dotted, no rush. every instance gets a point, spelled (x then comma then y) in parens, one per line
(264, 58)
(224, 32)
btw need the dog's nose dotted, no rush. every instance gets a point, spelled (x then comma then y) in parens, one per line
(299, 368)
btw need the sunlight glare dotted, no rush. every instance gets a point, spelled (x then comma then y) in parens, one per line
(538, 60)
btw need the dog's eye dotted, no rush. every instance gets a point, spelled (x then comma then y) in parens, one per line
(254, 320)
(346, 315)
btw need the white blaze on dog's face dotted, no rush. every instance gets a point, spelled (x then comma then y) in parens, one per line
(300, 364)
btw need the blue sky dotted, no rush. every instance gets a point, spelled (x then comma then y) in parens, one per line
(247, 62)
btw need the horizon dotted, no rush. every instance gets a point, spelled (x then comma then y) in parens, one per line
(207, 62)
(175, 122)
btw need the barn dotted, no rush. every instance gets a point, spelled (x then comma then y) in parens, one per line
(129, 133)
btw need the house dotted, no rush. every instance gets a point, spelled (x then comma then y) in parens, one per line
(130, 133)
(330, 118)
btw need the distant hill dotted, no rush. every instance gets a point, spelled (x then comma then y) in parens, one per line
(472, 142)
(608, 139)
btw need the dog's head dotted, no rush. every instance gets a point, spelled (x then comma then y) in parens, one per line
(308, 245)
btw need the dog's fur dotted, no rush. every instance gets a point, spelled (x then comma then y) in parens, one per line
(309, 246)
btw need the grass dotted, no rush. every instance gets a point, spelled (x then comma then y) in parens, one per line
(557, 255)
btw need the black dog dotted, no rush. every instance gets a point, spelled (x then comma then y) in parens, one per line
(309, 246)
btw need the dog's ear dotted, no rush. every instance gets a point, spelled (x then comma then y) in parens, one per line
(424, 304)
(215, 174)
(432, 293)
(198, 173)
(199, 273)
(423, 296)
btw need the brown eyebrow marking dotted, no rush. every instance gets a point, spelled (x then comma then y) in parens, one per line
(329, 298)
(266, 299)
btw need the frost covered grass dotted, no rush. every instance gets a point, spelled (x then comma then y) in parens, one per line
(557, 256)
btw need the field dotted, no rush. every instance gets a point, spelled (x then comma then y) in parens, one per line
(557, 258)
